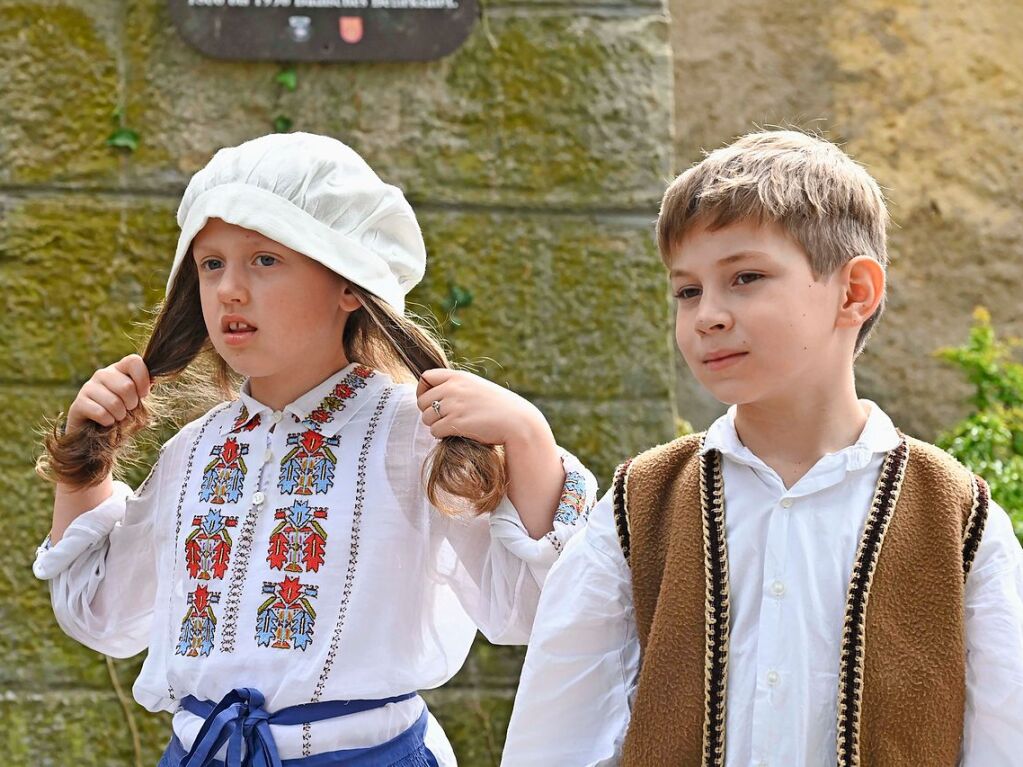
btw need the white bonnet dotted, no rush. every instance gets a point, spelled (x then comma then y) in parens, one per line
(314, 195)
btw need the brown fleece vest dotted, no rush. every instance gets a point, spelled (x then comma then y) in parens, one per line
(902, 666)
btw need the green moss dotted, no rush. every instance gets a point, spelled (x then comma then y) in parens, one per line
(76, 273)
(58, 83)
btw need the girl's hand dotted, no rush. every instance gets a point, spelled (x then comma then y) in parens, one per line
(474, 407)
(111, 393)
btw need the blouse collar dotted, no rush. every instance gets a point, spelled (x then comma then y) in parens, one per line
(324, 408)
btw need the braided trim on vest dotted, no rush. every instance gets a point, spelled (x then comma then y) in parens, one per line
(850, 679)
(712, 499)
(975, 524)
(620, 499)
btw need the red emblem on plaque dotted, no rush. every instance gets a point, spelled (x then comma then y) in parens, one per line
(351, 29)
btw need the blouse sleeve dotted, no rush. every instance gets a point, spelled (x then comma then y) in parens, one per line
(490, 561)
(103, 571)
(993, 725)
(574, 698)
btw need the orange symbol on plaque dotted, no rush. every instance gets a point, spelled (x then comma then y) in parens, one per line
(351, 28)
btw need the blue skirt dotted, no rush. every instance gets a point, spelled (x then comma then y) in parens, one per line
(240, 719)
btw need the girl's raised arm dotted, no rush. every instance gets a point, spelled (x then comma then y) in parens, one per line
(106, 399)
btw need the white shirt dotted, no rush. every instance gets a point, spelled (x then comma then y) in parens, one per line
(295, 552)
(791, 554)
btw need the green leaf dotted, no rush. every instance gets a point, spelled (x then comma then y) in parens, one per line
(287, 78)
(124, 138)
(282, 124)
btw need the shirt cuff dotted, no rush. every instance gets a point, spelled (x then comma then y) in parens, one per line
(578, 497)
(85, 532)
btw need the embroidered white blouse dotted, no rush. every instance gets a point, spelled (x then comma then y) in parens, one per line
(791, 553)
(295, 552)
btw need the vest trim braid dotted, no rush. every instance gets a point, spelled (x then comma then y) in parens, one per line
(975, 524)
(621, 504)
(850, 679)
(712, 496)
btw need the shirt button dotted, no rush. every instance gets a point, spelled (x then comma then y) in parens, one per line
(786, 503)
(761, 763)
(773, 678)
(777, 588)
(258, 498)
(277, 416)
(268, 456)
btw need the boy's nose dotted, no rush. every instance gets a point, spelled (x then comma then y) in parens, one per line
(712, 318)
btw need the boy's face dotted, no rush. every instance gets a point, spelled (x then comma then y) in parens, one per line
(270, 311)
(752, 323)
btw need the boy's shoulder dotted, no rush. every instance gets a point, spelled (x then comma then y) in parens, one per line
(666, 457)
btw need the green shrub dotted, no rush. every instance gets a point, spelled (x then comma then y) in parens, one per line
(990, 440)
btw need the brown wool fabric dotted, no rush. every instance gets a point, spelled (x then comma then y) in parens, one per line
(909, 708)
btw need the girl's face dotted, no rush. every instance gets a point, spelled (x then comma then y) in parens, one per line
(273, 314)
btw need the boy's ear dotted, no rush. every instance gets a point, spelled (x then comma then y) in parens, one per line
(864, 285)
(349, 302)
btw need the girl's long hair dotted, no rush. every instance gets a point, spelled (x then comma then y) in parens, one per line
(179, 349)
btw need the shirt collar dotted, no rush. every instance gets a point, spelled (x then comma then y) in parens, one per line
(879, 435)
(325, 408)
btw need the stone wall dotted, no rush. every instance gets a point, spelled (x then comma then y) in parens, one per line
(535, 156)
(927, 96)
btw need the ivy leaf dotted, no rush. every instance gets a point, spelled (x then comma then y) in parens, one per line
(287, 78)
(282, 124)
(124, 138)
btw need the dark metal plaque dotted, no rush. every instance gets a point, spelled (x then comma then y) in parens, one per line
(325, 30)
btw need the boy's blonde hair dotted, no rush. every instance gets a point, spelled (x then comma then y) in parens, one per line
(818, 194)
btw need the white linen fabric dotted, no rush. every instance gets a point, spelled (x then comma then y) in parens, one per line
(790, 557)
(314, 195)
(295, 552)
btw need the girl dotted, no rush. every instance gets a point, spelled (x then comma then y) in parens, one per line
(300, 561)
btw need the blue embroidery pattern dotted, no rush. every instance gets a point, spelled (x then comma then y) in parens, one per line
(224, 476)
(572, 505)
(308, 468)
(285, 620)
(199, 624)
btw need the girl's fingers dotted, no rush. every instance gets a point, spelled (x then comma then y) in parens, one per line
(434, 394)
(109, 401)
(91, 410)
(135, 367)
(437, 376)
(114, 382)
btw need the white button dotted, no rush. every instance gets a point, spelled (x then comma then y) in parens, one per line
(268, 456)
(773, 678)
(777, 588)
(786, 503)
(761, 763)
(277, 416)
(258, 498)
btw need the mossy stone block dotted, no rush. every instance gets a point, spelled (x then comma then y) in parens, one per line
(76, 274)
(59, 88)
(557, 301)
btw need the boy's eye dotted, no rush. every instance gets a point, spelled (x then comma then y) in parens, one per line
(745, 278)
(264, 259)
(687, 293)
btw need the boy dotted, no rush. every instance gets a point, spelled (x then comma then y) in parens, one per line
(802, 584)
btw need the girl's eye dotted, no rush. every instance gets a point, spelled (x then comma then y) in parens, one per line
(686, 293)
(210, 264)
(265, 259)
(745, 278)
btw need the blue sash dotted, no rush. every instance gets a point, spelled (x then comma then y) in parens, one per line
(240, 719)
